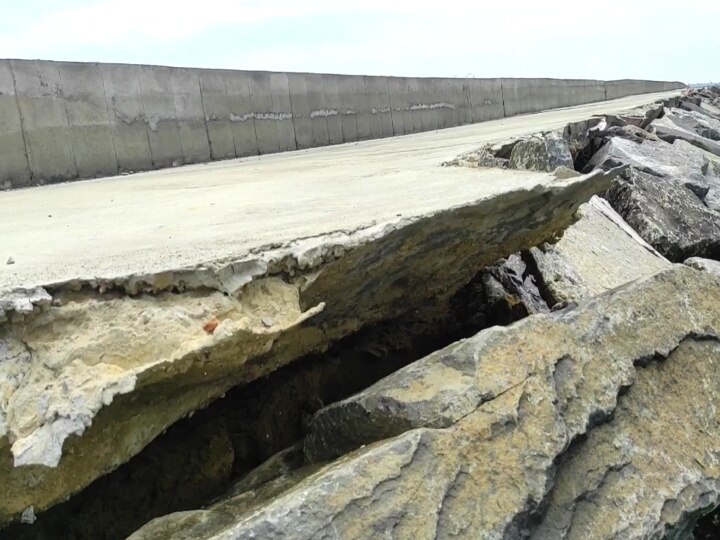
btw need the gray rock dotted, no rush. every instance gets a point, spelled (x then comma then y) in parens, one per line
(687, 106)
(597, 253)
(476, 440)
(541, 153)
(707, 265)
(670, 217)
(687, 128)
(449, 384)
(700, 123)
(680, 163)
(629, 132)
(511, 292)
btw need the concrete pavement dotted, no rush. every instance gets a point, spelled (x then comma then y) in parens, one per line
(176, 218)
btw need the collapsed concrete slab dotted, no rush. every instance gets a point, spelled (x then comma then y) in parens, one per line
(496, 422)
(87, 381)
(668, 215)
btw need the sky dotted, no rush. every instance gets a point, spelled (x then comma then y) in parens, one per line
(610, 39)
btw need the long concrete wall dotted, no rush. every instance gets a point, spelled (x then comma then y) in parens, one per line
(63, 121)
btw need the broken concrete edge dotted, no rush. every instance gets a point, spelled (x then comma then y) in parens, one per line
(498, 154)
(230, 275)
(44, 446)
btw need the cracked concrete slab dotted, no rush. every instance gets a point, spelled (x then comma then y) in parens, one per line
(190, 216)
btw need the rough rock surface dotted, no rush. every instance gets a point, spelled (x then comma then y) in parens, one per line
(597, 253)
(689, 127)
(666, 214)
(680, 162)
(511, 292)
(492, 421)
(708, 265)
(88, 381)
(541, 153)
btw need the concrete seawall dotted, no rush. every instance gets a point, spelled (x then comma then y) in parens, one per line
(62, 121)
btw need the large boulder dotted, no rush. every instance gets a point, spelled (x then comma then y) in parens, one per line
(680, 161)
(541, 153)
(597, 253)
(688, 106)
(670, 217)
(601, 422)
(92, 374)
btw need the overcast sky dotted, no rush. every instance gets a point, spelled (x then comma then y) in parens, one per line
(655, 39)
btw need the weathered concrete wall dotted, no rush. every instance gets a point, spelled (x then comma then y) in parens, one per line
(63, 121)
(533, 95)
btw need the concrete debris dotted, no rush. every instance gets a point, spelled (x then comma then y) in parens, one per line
(642, 117)
(28, 516)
